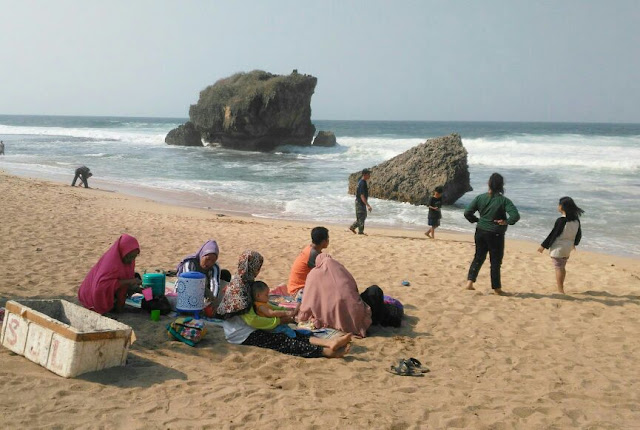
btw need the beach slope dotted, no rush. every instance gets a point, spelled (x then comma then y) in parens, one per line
(532, 360)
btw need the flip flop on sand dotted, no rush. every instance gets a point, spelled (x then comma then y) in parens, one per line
(404, 368)
(415, 363)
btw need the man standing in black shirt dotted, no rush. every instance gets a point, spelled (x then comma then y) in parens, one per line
(362, 203)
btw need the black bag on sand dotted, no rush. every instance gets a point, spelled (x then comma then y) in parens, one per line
(158, 303)
(393, 316)
(381, 313)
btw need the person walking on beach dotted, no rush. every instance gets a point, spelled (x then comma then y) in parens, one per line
(435, 203)
(1, 147)
(84, 174)
(493, 208)
(362, 202)
(564, 237)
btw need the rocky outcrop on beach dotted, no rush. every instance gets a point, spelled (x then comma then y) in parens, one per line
(325, 138)
(411, 176)
(184, 135)
(256, 111)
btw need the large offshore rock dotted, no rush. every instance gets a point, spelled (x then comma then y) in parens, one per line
(325, 138)
(256, 111)
(412, 176)
(184, 135)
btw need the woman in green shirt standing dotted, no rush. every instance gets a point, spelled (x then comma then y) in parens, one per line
(496, 212)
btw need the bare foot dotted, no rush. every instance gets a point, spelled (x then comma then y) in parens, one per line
(561, 290)
(470, 285)
(353, 230)
(339, 353)
(340, 342)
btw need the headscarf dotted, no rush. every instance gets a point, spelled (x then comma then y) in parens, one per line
(331, 298)
(209, 247)
(237, 296)
(98, 290)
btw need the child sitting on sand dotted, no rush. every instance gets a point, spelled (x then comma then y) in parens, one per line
(433, 219)
(262, 307)
(564, 237)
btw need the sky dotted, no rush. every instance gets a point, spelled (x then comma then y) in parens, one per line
(449, 60)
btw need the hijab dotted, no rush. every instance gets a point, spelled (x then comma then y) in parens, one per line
(331, 298)
(98, 290)
(237, 296)
(209, 247)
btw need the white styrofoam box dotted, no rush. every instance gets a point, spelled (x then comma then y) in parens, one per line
(63, 337)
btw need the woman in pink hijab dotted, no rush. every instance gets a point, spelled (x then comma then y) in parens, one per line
(331, 299)
(112, 279)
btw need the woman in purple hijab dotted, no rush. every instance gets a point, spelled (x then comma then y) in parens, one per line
(205, 262)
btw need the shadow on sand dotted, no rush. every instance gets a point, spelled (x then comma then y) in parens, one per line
(139, 372)
(601, 297)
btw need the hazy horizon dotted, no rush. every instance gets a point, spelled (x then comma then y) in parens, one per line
(493, 61)
(331, 119)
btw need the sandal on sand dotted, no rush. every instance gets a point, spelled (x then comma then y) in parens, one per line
(404, 369)
(415, 363)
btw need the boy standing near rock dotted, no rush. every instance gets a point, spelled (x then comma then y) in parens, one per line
(362, 202)
(433, 219)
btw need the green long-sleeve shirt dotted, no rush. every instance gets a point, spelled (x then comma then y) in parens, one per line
(492, 207)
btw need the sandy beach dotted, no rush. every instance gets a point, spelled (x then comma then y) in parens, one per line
(535, 360)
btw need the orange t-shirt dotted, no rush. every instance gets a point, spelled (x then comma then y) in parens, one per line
(299, 271)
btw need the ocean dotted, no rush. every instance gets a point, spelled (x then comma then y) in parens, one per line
(596, 164)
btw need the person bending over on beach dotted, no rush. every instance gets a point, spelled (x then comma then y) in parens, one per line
(113, 277)
(493, 207)
(362, 202)
(564, 237)
(205, 261)
(244, 327)
(306, 261)
(84, 174)
(433, 219)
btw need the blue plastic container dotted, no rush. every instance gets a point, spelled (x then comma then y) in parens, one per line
(190, 288)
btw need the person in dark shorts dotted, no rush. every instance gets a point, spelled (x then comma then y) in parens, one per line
(435, 203)
(564, 238)
(84, 174)
(362, 202)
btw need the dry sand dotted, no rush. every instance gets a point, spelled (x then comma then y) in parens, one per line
(533, 360)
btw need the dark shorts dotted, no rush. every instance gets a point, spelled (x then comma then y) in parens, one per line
(433, 222)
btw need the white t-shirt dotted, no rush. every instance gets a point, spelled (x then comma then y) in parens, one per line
(562, 246)
(236, 330)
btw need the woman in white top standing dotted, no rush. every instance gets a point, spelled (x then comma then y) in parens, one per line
(564, 237)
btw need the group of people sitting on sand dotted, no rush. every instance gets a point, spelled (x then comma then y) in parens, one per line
(326, 293)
